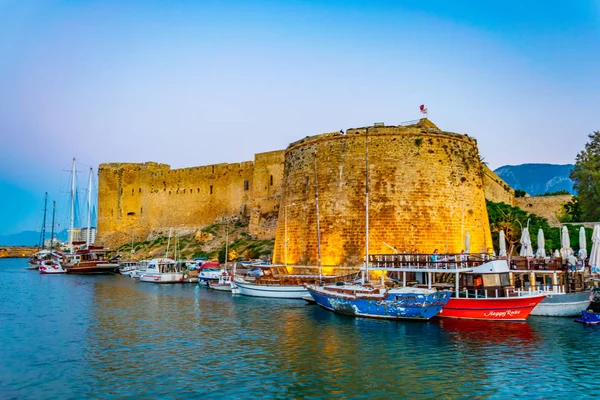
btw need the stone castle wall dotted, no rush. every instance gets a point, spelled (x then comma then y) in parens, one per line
(495, 189)
(549, 207)
(425, 192)
(427, 189)
(134, 199)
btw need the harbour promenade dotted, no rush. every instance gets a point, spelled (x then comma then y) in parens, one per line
(72, 336)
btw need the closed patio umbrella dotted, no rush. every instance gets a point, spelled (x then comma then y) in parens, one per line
(565, 243)
(582, 244)
(541, 251)
(595, 252)
(468, 243)
(526, 250)
(502, 247)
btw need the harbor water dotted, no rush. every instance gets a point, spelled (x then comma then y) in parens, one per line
(68, 336)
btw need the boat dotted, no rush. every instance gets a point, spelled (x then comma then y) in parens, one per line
(566, 291)
(365, 300)
(481, 289)
(91, 261)
(209, 271)
(162, 270)
(223, 284)
(276, 281)
(591, 315)
(562, 304)
(140, 269)
(128, 268)
(50, 267)
(38, 258)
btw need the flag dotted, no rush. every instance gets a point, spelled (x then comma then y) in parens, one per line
(423, 109)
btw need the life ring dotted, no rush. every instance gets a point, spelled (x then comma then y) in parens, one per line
(185, 275)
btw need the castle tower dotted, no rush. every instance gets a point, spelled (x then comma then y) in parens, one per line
(426, 192)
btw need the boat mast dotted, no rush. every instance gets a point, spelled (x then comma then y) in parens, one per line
(226, 242)
(72, 218)
(43, 233)
(367, 206)
(89, 212)
(318, 221)
(52, 235)
(168, 243)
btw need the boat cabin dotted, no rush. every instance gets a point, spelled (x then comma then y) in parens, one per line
(162, 266)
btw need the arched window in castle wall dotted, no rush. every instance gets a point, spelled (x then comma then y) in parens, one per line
(210, 189)
(246, 185)
(271, 180)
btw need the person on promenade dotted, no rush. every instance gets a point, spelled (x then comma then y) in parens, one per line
(463, 258)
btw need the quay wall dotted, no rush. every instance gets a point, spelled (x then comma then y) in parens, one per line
(17, 251)
(425, 193)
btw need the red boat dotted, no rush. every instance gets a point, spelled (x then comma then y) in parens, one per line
(481, 289)
(486, 294)
(497, 309)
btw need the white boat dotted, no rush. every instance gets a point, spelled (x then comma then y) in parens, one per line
(140, 269)
(223, 284)
(162, 270)
(128, 268)
(51, 266)
(276, 290)
(209, 271)
(562, 305)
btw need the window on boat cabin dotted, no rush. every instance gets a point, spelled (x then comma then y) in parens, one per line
(246, 185)
(210, 189)
(496, 280)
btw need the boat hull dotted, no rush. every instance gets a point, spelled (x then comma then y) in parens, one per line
(47, 270)
(98, 269)
(272, 291)
(492, 309)
(175, 277)
(562, 305)
(392, 306)
(220, 287)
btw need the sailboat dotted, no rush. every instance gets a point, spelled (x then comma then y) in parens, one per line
(52, 265)
(36, 259)
(375, 300)
(91, 260)
(128, 268)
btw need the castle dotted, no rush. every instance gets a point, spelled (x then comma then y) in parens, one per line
(427, 188)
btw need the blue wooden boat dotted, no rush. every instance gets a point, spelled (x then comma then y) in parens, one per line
(592, 314)
(379, 302)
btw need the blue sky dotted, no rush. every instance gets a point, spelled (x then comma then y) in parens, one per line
(201, 82)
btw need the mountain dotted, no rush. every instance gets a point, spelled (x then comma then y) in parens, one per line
(29, 238)
(536, 179)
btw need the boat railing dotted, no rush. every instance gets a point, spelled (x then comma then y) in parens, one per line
(426, 261)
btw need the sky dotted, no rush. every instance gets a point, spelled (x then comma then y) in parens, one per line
(202, 82)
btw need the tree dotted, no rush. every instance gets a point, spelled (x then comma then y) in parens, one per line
(586, 178)
(571, 211)
(520, 193)
(512, 219)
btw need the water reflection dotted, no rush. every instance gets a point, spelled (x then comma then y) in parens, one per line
(115, 337)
